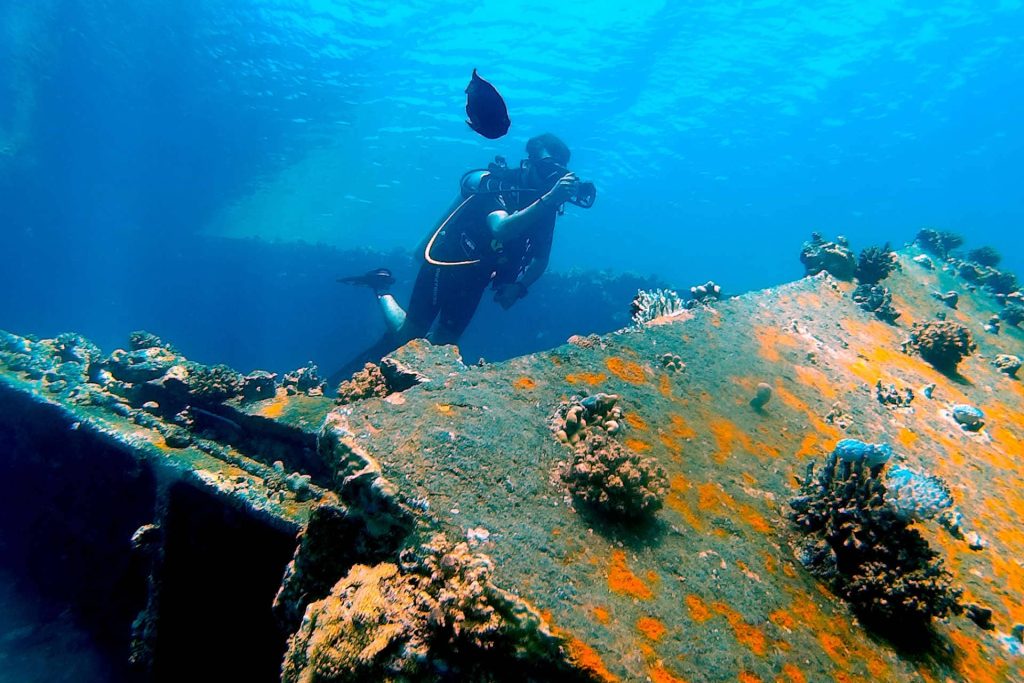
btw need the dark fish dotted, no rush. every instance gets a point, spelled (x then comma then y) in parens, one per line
(485, 108)
(375, 279)
(220, 419)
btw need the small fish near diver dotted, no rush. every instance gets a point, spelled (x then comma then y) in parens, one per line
(485, 108)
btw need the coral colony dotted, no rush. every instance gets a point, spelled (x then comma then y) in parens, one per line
(435, 615)
(435, 521)
(835, 258)
(650, 305)
(860, 541)
(942, 343)
(603, 473)
(937, 242)
(875, 264)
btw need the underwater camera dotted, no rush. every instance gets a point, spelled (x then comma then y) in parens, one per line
(586, 193)
(583, 197)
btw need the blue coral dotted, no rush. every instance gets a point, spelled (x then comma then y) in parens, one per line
(852, 451)
(916, 496)
(968, 416)
(651, 304)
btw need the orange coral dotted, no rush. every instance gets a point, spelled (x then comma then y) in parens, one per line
(783, 618)
(635, 421)
(622, 580)
(699, 610)
(524, 383)
(586, 658)
(659, 674)
(750, 636)
(792, 674)
(637, 445)
(591, 379)
(770, 339)
(728, 435)
(651, 628)
(680, 428)
(817, 380)
(665, 386)
(626, 370)
(273, 408)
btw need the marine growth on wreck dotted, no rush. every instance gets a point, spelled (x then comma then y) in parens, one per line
(774, 482)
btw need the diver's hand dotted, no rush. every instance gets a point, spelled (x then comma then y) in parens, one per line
(562, 191)
(508, 294)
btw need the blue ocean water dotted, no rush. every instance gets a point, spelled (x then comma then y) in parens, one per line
(190, 168)
(205, 169)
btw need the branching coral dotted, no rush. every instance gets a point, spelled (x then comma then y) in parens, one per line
(836, 258)
(574, 419)
(305, 380)
(876, 299)
(648, 305)
(860, 540)
(938, 242)
(213, 383)
(985, 256)
(367, 383)
(1012, 313)
(615, 479)
(916, 496)
(704, 294)
(434, 616)
(942, 343)
(259, 384)
(891, 397)
(995, 280)
(1000, 281)
(602, 472)
(875, 264)
(1007, 363)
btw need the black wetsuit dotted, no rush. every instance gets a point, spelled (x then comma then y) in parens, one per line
(458, 261)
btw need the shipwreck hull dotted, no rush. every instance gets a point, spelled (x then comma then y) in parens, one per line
(731, 400)
(76, 489)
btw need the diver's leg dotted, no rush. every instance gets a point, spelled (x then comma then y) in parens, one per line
(460, 298)
(394, 315)
(414, 323)
(424, 304)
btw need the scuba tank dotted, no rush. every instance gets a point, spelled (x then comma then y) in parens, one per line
(496, 179)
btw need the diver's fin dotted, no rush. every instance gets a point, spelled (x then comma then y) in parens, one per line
(378, 280)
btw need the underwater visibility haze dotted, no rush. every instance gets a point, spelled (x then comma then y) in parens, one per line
(719, 135)
(207, 171)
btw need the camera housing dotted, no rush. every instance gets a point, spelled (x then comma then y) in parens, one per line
(586, 193)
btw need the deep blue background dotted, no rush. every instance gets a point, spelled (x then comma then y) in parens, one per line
(190, 168)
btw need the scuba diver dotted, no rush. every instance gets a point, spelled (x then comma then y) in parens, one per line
(498, 233)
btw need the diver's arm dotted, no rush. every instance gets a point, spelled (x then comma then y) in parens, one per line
(532, 272)
(539, 254)
(506, 226)
(511, 292)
